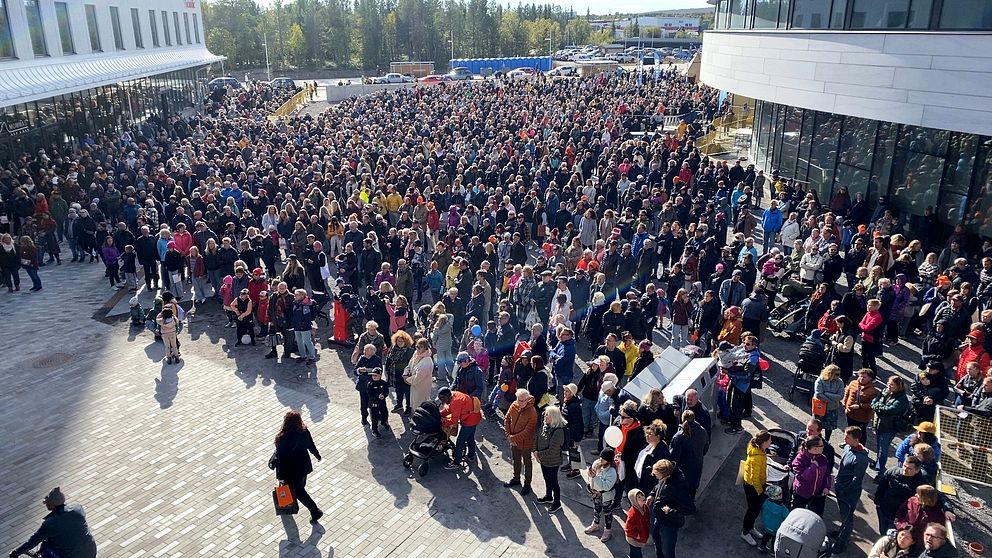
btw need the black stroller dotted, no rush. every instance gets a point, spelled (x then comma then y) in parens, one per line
(812, 357)
(429, 441)
(788, 317)
(779, 467)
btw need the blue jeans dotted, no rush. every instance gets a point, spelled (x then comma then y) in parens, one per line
(665, 538)
(33, 274)
(466, 437)
(304, 342)
(884, 443)
(215, 281)
(589, 417)
(767, 240)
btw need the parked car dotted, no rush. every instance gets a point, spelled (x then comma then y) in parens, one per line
(521, 73)
(221, 82)
(564, 71)
(434, 78)
(282, 83)
(393, 78)
(459, 73)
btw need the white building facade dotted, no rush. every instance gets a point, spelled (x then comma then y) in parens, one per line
(882, 97)
(77, 67)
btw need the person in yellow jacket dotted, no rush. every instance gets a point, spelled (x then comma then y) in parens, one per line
(631, 352)
(755, 475)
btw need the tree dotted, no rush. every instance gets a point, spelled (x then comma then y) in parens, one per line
(577, 31)
(651, 32)
(220, 41)
(296, 46)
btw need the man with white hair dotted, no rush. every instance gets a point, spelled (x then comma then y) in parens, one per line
(520, 425)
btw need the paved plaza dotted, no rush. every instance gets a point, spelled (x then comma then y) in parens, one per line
(171, 460)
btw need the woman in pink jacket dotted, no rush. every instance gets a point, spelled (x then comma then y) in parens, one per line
(871, 326)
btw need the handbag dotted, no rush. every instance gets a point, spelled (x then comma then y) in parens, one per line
(819, 407)
(283, 500)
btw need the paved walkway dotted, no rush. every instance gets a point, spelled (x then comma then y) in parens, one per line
(171, 460)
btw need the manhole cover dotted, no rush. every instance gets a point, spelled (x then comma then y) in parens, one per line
(51, 361)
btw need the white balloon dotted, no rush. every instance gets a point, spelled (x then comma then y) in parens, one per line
(246, 339)
(613, 436)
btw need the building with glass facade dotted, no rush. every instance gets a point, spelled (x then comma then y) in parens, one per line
(73, 68)
(884, 97)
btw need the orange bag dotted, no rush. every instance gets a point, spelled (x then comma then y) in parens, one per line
(819, 407)
(284, 501)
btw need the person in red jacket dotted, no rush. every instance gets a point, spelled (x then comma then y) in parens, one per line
(871, 334)
(637, 528)
(460, 409)
(973, 351)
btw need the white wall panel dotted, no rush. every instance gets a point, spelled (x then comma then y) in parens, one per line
(909, 78)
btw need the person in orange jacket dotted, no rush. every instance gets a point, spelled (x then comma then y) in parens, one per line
(459, 409)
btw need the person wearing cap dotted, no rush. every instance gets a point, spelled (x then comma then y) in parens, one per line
(378, 392)
(469, 378)
(63, 532)
(459, 409)
(733, 291)
(242, 306)
(603, 484)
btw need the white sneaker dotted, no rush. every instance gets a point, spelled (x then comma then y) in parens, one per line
(749, 539)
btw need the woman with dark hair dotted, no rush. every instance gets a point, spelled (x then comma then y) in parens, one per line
(291, 460)
(842, 347)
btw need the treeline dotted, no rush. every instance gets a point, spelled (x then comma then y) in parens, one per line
(369, 34)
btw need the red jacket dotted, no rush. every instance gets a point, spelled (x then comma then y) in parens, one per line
(870, 324)
(972, 353)
(461, 411)
(637, 528)
(255, 288)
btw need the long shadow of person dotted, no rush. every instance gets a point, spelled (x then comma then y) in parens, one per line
(385, 457)
(167, 387)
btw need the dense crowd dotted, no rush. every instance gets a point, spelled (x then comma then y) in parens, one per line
(471, 235)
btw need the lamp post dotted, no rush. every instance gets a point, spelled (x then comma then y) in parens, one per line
(451, 42)
(268, 70)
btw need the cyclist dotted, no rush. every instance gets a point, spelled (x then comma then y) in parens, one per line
(63, 533)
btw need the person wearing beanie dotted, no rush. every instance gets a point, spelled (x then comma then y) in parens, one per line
(63, 532)
(773, 513)
(603, 479)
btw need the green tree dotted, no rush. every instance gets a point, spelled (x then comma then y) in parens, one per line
(296, 46)
(577, 31)
(220, 41)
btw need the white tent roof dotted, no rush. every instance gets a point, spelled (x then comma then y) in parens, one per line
(69, 74)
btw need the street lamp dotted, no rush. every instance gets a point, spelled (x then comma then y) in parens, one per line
(268, 70)
(451, 42)
(550, 45)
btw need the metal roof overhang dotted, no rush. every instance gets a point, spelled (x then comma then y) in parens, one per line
(42, 79)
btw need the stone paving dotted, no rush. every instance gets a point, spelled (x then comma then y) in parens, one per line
(171, 460)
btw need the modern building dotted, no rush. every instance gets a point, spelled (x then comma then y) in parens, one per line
(80, 67)
(883, 97)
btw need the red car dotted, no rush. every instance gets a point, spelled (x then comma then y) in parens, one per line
(433, 78)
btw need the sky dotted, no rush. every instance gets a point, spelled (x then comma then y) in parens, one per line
(602, 7)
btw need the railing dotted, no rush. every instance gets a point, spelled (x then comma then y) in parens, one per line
(291, 106)
(715, 140)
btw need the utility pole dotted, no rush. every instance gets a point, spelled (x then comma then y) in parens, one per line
(268, 69)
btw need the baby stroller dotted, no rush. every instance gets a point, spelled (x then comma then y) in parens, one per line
(812, 357)
(803, 534)
(429, 441)
(789, 316)
(778, 465)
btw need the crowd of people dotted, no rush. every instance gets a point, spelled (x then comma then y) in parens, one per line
(466, 238)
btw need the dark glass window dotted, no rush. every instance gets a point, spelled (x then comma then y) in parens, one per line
(917, 169)
(165, 28)
(805, 145)
(154, 25)
(811, 14)
(790, 138)
(36, 28)
(6, 41)
(766, 14)
(65, 29)
(139, 40)
(739, 14)
(891, 14)
(186, 25)
(94, 28)
(115, 24)
(196, 28)
(960, 163)
(979, 216)
(966, 14)
(857, 142)
(175, 21)
(823, 157)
